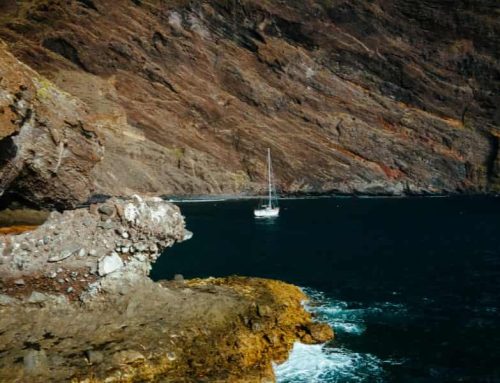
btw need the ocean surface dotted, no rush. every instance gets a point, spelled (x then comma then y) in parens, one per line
(410, 286)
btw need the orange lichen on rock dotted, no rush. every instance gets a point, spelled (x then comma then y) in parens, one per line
(391, 173)
(216, 330)
(18, 229)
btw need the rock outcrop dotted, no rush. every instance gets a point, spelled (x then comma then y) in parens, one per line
(351, 96)
(76, 305)
(219, 330)
(80, 252)
(48, 142)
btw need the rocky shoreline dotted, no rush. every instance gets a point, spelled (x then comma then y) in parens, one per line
(76, 304)
(235, 197)
(182, 98)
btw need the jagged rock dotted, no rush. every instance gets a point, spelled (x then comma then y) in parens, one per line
(157, 222)
(110, 264)
(320, 332)
(48, 144)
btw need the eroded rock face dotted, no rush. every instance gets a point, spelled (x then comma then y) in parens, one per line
(80, 252)
(48, 145)
(351, 96)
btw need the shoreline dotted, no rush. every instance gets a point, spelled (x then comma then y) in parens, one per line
(225, 198)
(99, 317)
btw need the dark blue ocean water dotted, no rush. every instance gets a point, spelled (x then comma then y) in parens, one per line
(411, 286)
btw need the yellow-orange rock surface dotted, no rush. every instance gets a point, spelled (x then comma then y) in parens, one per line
(216, 330)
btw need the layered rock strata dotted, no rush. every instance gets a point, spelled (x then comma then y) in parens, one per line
(351, 96)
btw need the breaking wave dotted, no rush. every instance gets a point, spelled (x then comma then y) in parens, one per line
(330, 364)
(320, 364)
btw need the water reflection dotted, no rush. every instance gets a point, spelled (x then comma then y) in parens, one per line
(267, 223)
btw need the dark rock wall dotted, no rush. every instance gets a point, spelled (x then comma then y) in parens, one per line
(380, 96)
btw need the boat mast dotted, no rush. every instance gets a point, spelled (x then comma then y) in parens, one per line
(269, 173)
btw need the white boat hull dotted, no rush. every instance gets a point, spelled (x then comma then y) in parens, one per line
(267, 212)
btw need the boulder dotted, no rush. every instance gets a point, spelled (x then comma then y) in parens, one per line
(110, 264)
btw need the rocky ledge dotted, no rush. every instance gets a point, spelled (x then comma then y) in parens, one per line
(80, 252)
(76, 304)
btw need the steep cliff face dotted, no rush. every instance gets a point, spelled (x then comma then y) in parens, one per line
(383, 96)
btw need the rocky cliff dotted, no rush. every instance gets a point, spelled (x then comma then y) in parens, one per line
(48, 142)
(385, 96)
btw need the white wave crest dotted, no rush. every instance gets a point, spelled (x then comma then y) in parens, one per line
(320, 364)
(326, 363)
(336, 313)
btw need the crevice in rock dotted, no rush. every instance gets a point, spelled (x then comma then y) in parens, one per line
(64, 49)
(88, 4)
(292, 31)
(8, 150)
(17, 215)
(159, 41)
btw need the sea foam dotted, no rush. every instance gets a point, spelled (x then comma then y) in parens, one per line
(320, 364)
(327, 364)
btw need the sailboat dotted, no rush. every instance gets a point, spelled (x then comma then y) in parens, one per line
(269, 208)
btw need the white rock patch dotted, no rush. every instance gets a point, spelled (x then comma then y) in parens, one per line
(110, 264)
